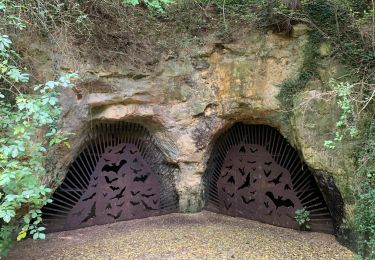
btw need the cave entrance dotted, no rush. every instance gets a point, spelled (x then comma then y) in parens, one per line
(120, 174)
(255, 173)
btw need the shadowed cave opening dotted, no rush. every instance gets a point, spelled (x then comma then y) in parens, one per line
(253, 172)
(120, 174)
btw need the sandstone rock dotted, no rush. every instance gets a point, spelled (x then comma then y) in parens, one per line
(193, 97)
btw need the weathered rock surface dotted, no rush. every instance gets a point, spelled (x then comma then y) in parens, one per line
(194, 96)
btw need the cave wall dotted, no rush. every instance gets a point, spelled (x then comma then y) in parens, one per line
(192, 95)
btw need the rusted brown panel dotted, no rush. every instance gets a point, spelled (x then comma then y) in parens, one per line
(122, 186)
(256, 187)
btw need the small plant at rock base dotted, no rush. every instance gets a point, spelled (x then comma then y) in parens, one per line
(303, 218)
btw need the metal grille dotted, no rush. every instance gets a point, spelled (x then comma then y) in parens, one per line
(254, 173)
(119, 175)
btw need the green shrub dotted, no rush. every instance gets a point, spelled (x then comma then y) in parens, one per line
(365, 201)
(28, 130)
(303, 218)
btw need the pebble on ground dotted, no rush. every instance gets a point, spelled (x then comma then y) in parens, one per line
(203, 235)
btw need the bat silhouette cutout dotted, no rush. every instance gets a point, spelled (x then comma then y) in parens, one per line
(229, 167)
(141, 178)
(242, 150)
(136, 170)
(267, 173)
(269, 213)
(91, 214)
(253, 192)
(134, 192)
(90, 197)
(94, 185)
(133, 151)
(231, 180)
(149, 189)
(148, 195)
(266, 204)
(287, 187)
(155, 201)
(251, 162)
(254, 169)
(135, 160)
(115, 216)
(113, 167)
(230, 194)
(106, 160)
(105, 194)
(120, 205)
(242, 171)
(277, 179)
(253, 150)
(246, 201)
(134, 203)
(114, 188)
(246, 183)
(268, 163)
(109, 206)
(95, 178)
(227, 206)
(147, 206)
(122, 150)
(255, 180)
(110, 181)
(119, 195)
(279, 201)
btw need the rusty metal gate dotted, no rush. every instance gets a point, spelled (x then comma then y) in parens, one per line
(254, 173)
(119, 175)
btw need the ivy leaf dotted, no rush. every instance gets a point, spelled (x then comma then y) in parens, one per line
(7, 218)
(21, 235)
(5, 43)
(14, 153)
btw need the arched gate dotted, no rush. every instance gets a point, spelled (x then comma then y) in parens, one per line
(254, 173)
(119, 175)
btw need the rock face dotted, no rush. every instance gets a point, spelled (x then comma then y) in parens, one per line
(193, 96)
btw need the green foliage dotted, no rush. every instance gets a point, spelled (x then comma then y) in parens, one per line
(303, 218)
(151, 4)
(345, 25)
(365, 204)
(28, 129)
(346, 125)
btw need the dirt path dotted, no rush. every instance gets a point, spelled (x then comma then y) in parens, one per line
(203, 235)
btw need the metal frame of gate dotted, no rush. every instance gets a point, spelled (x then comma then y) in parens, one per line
(253, 172)
(119, 174)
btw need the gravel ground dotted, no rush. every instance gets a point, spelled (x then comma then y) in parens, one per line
(202, 235)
